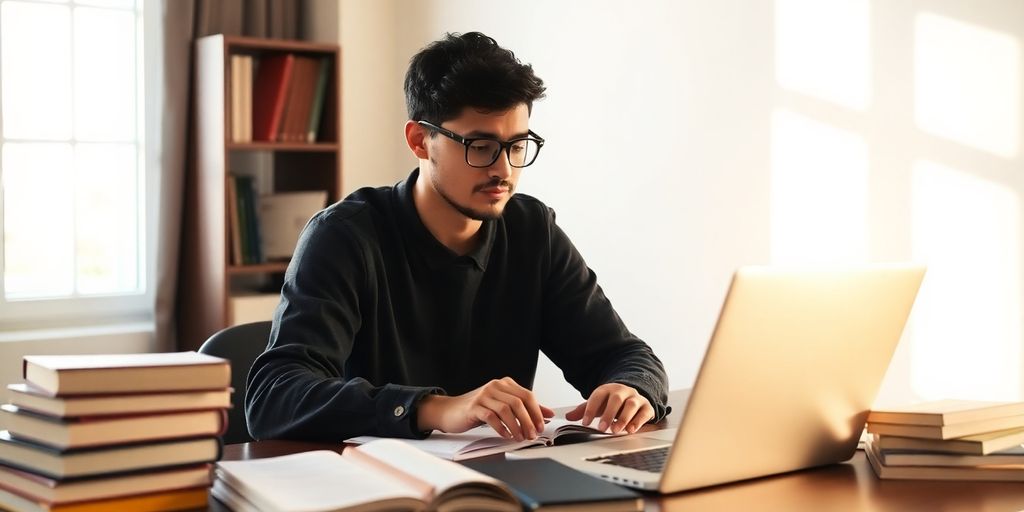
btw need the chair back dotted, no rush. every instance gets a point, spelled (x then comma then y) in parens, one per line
(240, 344)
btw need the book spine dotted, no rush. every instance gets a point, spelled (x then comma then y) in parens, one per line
(318, 100)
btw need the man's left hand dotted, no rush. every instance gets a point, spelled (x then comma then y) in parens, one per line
(617, 405)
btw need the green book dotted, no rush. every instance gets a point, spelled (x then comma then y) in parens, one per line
(318, 100)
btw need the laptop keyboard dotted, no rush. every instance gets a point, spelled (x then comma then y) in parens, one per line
(652, 460)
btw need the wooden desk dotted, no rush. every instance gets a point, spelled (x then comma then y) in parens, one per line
(849, 486)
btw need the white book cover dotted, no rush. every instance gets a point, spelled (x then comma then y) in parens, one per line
(282, 217)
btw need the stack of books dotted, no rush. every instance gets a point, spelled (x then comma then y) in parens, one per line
(113, 432)
(948, 440)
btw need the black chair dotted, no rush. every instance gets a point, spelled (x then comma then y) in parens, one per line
(239, 344)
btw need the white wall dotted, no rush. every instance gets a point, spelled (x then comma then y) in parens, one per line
(688, 137)
(373, 106)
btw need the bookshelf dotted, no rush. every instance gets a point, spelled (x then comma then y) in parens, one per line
(215, 281)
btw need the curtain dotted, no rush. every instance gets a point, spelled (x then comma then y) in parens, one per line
(181, 22)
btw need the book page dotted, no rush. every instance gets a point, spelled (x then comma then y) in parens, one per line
(475, 442)
(442, 475)
(317, 480)
(557, 426)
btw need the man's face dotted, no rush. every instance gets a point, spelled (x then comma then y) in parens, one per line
(477, 192)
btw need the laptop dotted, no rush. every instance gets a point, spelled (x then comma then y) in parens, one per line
(793, 366)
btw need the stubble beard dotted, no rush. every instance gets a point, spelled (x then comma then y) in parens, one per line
(465, 210)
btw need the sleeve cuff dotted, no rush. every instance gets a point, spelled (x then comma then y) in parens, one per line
(396, 410)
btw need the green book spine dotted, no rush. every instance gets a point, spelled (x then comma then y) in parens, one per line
(318, 100)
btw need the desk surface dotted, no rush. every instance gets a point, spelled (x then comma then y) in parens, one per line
(850, 486)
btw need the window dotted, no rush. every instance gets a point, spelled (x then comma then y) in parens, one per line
(73, 196)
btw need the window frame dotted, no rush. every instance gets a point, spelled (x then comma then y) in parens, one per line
(83, 310)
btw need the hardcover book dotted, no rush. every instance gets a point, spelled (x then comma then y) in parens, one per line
(1013, 455)
(947, 431)
(28, 397)
(78, 462)
(980, 444)
(126, 373)
(947, 412)
(383, 475)
(48, 490)
(1012, 472)
(270, 89)
(109, 430)
(182, 499)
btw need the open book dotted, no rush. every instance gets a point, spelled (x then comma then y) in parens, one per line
(482, 440)
(387, 474)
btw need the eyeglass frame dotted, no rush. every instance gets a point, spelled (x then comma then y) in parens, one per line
(504, 147)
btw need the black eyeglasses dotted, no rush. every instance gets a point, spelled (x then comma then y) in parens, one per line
(484, 151)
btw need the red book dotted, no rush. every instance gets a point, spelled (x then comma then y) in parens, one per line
(269, 92)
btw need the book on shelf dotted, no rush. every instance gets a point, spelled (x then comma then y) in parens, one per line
(236, 98)
(483, 440)
(234, 222)
(1000, 473)
(27, 396)
(246, 101)
(947, 431)
(282, 217)
(68, 490)
(1011, 456)
(319, 95)
(980, 444)
(947, 412)
(60, 463)
(300, 99)
(547, 485)
(270, 89)
(386, 474)
(248, 307)
(109, 430)
(61, 375)
(180, 499)
(250, 229)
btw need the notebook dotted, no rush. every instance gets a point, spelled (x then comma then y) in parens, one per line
(792, 368)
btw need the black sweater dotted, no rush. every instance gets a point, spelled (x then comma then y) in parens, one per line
(375, 313)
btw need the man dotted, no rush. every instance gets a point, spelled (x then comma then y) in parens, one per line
(424, 306)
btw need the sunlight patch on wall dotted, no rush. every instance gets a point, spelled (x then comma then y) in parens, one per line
(822, 49)
(818, 192)
(966, 336)
(967, 84)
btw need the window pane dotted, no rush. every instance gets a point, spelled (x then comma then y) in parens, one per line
(104, 75)
(36, 42)
(38, 222)
(106, 218)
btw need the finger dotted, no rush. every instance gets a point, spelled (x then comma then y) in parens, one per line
(504, 412)
(576, 413)
(491, 418)
(629, 409)
(521, 415)
(645, 414)
(594, 405)
(528, 399)
(548, 413)
(611, 411)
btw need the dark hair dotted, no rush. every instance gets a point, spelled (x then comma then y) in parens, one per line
(467, 70)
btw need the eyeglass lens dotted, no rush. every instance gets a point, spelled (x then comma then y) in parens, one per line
(483, 153)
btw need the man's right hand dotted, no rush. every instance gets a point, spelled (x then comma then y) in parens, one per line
(510, 409)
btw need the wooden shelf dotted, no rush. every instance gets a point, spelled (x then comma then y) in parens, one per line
(315, 147)
(211, 285)
(261, 268)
